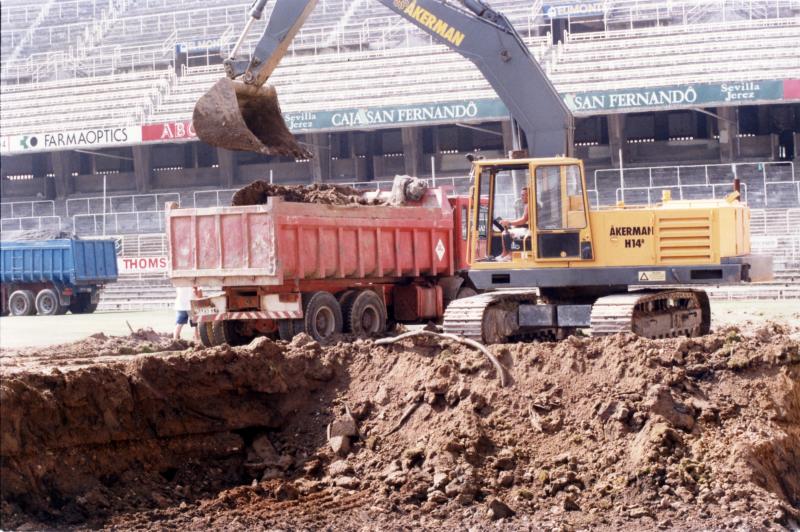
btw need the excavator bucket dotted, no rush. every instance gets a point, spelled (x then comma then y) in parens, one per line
(242, 117)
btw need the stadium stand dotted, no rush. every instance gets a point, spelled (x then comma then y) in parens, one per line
(382, 61)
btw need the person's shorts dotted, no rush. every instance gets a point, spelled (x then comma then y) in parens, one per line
(182, 317)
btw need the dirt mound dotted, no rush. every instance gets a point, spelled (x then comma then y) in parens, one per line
(618, 432)
(257, 192)
(95, 349)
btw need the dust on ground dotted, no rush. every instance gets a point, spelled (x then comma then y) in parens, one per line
(617, 432)
(96, 349)
(257, 193)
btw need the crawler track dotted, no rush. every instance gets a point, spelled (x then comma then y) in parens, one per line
(492, 317)
(653, 313)
(473, 317)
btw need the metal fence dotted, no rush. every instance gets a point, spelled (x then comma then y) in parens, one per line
(118, 223)
(27, 209)
(121, 204)
(31, 223)
(771, 184)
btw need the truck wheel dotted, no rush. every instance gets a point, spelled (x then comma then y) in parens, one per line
(365, 314)
(287, 329)
(206, 334)
(21, 303)
(346, 303)
(47, 303)
(213, 333)
(224, 332)
(322, 316)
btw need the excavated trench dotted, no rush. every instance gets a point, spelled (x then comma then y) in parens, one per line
(617, 432)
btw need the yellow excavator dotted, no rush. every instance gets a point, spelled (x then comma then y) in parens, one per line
(539, 262)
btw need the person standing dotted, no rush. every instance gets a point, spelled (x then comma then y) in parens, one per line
(183, 304)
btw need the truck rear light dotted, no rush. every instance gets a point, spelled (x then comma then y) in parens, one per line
(67, 292)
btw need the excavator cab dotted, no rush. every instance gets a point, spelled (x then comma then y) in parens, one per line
(529, 211)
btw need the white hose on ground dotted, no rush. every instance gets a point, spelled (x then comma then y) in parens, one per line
(501, 371)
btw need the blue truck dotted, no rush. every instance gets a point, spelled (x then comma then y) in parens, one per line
(50, 277)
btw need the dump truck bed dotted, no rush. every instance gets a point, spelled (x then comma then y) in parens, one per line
(65, 261)
(284, 242)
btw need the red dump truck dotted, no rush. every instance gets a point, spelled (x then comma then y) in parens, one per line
(287, 267)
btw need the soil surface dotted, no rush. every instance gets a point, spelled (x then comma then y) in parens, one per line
(257, 193)
(619, 433)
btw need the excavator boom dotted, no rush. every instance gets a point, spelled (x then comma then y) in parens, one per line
(241, 112)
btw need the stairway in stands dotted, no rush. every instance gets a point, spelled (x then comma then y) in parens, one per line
(139, 291)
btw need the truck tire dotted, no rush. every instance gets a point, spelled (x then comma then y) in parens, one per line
(213, 333)
(82, 304)
(21, 303)
(287, 329)
(206, 334)
(225, 332)
(322, 316)
(365, 314)
(48, 304)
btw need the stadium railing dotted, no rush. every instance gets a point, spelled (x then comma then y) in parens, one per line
(27, 209)
(118, 223)
(25, 223)
(121, 203)
(654, 194)
(757, 178)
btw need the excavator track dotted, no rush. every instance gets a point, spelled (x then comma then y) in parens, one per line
(492, 317)
(484, 317)
(653, 313)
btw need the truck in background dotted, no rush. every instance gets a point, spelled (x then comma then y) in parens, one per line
(50, 277)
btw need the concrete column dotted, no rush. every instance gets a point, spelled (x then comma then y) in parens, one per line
(412, 149)
(372, 149)
(227, 167)
(616, 137)
(63, 163)
(321, 163)
(728, 126)
(143, 168)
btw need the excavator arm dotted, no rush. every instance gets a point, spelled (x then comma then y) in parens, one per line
(245, 114)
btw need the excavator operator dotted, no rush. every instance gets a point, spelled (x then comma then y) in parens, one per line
(515, 230)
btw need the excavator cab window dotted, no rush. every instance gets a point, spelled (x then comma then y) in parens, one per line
(560, 211)
(500, 199)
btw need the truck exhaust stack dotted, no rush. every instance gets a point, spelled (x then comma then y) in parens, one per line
(236, 116)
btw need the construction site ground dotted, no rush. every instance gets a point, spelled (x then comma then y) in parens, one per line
(135, 430)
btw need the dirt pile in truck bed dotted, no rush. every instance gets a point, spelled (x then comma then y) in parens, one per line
(608, 433)
(257, 193)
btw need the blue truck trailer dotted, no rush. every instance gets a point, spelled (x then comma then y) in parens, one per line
(52, 276)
